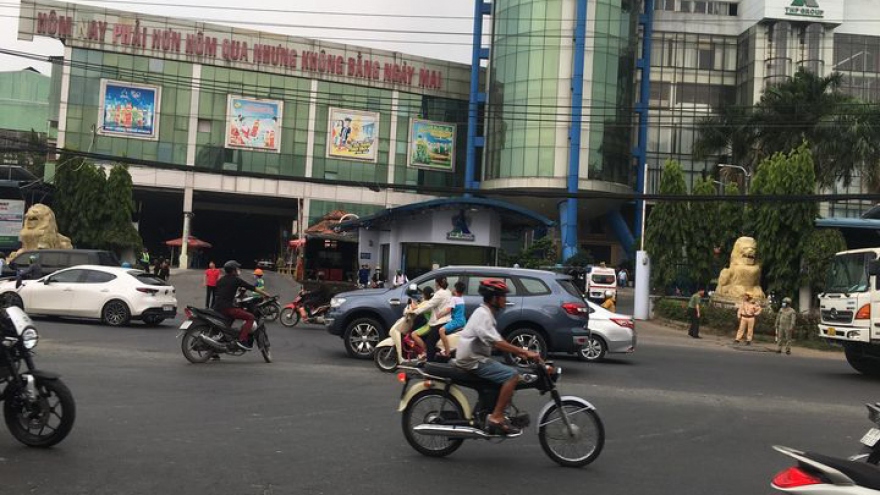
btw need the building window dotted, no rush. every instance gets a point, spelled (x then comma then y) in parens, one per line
(667, 5)
(684, 6)
(705, 57)
(700, 7)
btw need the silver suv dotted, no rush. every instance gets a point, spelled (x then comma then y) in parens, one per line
(545, 311)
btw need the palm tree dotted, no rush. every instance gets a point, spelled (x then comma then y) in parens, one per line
(844, 133)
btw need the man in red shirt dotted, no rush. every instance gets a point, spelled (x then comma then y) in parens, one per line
(212, 274)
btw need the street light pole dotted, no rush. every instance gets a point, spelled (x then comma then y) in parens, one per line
(746, 174)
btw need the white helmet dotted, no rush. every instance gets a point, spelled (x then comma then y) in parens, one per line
(609, 293)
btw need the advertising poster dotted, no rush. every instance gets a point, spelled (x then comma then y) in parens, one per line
(253, 124)
(129, 110)
(353, 135)
(432, 145)
(11, 220)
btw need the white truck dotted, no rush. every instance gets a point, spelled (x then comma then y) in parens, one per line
(600, 280)
(850, 307)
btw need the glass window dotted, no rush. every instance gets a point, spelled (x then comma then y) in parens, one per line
(67, 276)
(533, 286)
(429, 282)
(96, 277)
(474, 285)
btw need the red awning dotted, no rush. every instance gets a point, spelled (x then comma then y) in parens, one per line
(295, 243)
(192, 243)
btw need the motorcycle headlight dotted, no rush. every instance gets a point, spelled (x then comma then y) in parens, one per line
(30, 338)
(336, 302)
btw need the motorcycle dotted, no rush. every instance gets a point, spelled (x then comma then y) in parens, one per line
(818, 474)
(386, 356)
(437, 417)
(207, 333)
(290, 316)
(38, 408)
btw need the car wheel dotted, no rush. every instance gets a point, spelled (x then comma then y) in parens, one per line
(10, 299)
(361, 337)
(526, 338)
(594, 351)
(116, 313)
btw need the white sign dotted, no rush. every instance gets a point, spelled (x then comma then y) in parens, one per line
(11, 220)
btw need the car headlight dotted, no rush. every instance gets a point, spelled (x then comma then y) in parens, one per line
(336, 302)
(29, 338)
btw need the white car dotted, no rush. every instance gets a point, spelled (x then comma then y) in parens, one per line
(113, 295)
(611, 333)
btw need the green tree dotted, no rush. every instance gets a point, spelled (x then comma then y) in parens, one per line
(703, 218)
(728, 225)
(119, 233)
(819, 249)
(667, 233)
(844, 131)
(782, 228)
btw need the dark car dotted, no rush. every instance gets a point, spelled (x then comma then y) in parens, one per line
(545, 311)
(52, 260)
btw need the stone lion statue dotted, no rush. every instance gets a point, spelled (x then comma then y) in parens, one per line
(40, 230)
(743, 275)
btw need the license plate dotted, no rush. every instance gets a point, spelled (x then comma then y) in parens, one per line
(167, 308)
(186, 324)
(832, 331)
(871, 438)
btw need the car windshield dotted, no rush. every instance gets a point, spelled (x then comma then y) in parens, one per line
(603, 279)
(146, 278)
(849, 273)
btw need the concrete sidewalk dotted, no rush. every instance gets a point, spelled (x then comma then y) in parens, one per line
(190, 288)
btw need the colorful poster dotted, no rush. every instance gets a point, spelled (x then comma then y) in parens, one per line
(253, 124)
(11, 220)
(353, 135)
(432, 145)
(129, 110)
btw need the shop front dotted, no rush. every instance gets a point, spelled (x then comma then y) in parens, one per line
(421, 237)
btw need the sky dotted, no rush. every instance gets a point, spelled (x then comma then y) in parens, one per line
(433, 29)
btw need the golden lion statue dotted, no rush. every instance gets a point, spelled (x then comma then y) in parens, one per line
(743, 275)
(40, 231)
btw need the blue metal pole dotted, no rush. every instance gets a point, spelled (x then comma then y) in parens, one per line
(569, 218)
(644, 64)
(481, 8)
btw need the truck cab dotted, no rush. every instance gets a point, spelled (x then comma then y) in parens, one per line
(850, 307)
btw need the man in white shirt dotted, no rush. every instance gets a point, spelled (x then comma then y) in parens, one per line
(474, 352)
(440, 315)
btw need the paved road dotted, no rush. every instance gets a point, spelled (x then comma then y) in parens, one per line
(682, 416)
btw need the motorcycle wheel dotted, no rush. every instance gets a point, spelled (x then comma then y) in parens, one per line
(262, 341)
(433, 407)
(271, 312)
(571, 450)
(289, 317)
(386, 358)
(194, 350)
(45, 421)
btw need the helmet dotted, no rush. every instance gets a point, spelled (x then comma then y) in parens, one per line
(32, 257)
(786, 300)
(609, 293)
(492, 287)
(230, 266)
(258, 272)
(126, 264)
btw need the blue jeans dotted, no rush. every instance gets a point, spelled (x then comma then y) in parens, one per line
(495, 372)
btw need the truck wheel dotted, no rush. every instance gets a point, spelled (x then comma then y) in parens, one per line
(861, 362)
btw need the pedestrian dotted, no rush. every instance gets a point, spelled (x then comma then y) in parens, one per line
(693, 311)
(145, 260)
(212, 274)
(157, 265)
(400, 279)
(747, 313)
(164, 270)
(785, 322)
(621, 277)
(2, 262)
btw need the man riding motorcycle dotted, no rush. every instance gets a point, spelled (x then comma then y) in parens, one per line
(474, 352)
(224, 298)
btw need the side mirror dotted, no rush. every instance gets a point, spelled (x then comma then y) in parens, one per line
(874, 267)
(47, 281)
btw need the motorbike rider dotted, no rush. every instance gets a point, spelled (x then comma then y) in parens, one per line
(610, 304)
(312, 298)
(32, 272)
(224, 301)
(474, 352)
(440, 301)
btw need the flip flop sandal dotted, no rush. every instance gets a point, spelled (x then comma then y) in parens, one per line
(502, 428)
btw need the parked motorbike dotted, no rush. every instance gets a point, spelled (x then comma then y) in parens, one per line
(437, 417)
(38, 407)
(207, 333)
(290, 316)
(817, 474)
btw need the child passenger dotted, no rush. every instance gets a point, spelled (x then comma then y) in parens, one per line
(456, 305)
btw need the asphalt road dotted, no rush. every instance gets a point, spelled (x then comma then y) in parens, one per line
(681, 416)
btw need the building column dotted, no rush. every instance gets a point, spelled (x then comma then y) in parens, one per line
(392, 147)
(193, 129)
(64, 98)
(310, 139)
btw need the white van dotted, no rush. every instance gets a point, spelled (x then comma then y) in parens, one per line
(600, 280)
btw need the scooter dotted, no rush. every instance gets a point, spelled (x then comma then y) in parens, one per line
(817, 474)
(386, 356)
(437, 417)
